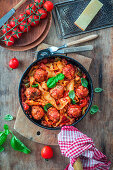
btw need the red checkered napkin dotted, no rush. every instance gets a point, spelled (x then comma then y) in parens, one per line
(74, 144)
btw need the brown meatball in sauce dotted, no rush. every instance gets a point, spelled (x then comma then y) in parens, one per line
(40, 75)
(37, 112)
(82, 92)
(74, 111)
(53, 114)
(32, 93)
(57, 92)
(69, 71)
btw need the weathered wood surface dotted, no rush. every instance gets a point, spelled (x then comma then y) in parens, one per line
(99, 126)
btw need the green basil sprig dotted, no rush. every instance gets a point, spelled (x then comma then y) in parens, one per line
(35, 85)
(53, 80)
(47, 106)
(94, 109)
(72, 96)
(84, 82)
(15, 142)
(8, 117)
(98, 90)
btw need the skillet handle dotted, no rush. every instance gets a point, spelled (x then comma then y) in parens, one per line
(43, 54)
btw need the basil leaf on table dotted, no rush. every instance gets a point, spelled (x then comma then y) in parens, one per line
(18, 145)
(98, 90)
(1, 148)
(94, 109)
(3, 138)
(47, 106)
(72, 96)
(35, 85)
(8, 117)
(7, 131)
(84, 82)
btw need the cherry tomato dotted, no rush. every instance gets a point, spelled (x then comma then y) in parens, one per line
(25, 106)
(14, 22)
(24, 26)
(42, 12)
(30, 9)
(33, 20)
(16, 33)
(48, 5)
(22, 17)
(8, 40)
(13, 63)
(47, 152)
(39, 3)
(6, 28)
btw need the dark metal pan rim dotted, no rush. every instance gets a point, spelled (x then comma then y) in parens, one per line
(72, 61)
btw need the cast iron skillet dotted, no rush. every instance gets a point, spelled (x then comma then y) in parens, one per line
(46, 54)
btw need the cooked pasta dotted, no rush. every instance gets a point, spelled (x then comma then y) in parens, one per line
(53, 92)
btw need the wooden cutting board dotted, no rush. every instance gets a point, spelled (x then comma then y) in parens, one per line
(31, 131)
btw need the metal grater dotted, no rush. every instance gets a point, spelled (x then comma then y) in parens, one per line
(65, 13)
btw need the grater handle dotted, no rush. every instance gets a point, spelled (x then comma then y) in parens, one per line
(82, 40)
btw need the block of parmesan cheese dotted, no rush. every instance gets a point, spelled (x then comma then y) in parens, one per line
(88, 14)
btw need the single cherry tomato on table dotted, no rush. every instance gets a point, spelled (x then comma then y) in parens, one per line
(24, 26)
(16, 33)
(39, 3)
(30, 9)
(47, 152)
(6, 28)
(33, 20)
(42, 13)
(13, 63)
(8, 40)
(22, 17)
(14, 22)
(48, 6)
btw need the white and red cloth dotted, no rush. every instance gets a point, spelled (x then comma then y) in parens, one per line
(74, 144)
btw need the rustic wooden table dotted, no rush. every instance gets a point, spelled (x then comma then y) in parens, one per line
(99, 126)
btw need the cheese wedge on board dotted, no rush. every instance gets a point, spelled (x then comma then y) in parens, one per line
(88, 14)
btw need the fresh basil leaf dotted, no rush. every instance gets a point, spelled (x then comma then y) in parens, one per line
(73, 102)
(51, 82)
(47, 106)
(98, 90)
(72, 94)
(18, 145)
(84, 82)
(1, 148)
(94, 109)
(3, 138)
(60, 76)
(35, 85)
(8, 117)
(6, 127)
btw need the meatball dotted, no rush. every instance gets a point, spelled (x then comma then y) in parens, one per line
(74, 111)
(57, 92)
(40, 75)
(82, 92)
(32, 93)
(53, 114)
(37, 112)
(69, 71)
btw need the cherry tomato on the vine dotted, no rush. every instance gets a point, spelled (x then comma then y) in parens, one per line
(14, 22)
(39, 3)
(8, 40)
(24, 26)
(48, 5)
(33, 20)
(42, 12)
(47, 152)
(6, 28)
(16, 33)
(30, 9)
(13, 63)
